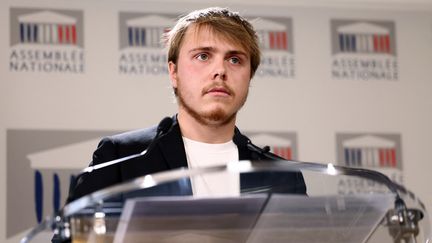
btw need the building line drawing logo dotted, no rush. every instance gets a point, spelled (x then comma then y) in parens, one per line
(363, 49)
(272, 35)
(47, 160)
(141, 49)
(139, 30)
(40, 167)
(275, 35)
(46, 40)
(370, 151)
(147, 31)
(381, 152)
(47, 27)
(364, 37)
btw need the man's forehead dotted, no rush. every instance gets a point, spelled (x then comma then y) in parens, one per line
(206, 33)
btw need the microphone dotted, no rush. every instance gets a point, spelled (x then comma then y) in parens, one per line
(163, 127)
(263, 151)
(243, 141)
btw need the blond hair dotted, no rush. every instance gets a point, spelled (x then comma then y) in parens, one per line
(229, 25)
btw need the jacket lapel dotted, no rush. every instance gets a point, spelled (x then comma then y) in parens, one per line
(173, 152)
(172, 147)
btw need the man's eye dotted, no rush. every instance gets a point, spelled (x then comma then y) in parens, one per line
(202, 57)
(234, 60)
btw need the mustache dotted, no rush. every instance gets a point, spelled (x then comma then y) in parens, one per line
(221, 86)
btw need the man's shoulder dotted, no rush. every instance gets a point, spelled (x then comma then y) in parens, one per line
(123, 144)
(143, 135)
(138, 136)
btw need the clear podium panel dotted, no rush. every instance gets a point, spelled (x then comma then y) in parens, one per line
(252, 218)
(248, 201)
(182, 219)
(320, 218)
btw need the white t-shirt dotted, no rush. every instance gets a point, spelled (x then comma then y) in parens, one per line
(201, 155)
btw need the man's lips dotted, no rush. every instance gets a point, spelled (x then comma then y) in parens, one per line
(218, 90)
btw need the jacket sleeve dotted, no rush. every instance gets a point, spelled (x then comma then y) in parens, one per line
(90, 182)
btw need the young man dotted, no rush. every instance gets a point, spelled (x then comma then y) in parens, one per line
(212, 55)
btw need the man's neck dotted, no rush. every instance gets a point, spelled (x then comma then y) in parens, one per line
(214, 133)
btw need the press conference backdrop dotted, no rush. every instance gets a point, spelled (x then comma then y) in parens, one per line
(348, 85)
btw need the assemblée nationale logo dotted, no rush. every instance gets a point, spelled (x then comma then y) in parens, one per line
(364, 50)
(46, 40)
(380, 152)
(40, 164)
(277, 45)
(141, 47)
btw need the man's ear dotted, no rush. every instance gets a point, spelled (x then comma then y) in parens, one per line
(172, 69)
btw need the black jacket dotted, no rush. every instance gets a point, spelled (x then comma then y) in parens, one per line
(168, 153)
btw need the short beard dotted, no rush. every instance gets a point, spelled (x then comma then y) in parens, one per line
(213, 118)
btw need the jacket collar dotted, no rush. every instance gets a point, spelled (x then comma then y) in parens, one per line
(172, 147)
(173, 151)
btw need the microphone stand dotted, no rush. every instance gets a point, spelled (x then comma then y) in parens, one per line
(60, 224)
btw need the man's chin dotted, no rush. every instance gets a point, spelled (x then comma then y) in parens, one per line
(214, 116)
(217, 117)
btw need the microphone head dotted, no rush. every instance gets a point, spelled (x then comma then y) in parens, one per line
(164, 125)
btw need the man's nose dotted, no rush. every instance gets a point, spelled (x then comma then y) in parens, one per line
(219, 70)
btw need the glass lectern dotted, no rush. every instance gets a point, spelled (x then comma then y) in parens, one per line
(183, 206)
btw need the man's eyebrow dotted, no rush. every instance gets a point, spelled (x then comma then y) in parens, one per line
(202, 48)
(209, 48)
(237, 52)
